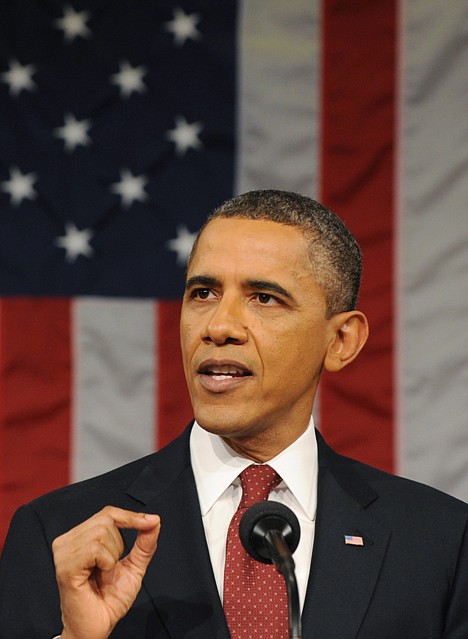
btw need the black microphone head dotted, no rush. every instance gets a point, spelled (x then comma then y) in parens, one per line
(263, 517)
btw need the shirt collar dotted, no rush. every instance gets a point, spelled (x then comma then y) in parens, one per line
(216, 466)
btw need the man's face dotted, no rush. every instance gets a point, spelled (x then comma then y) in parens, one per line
(254, 334)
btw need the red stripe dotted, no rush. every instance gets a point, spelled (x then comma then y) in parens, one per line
(357, 148)
(35, 383)
(174, 407)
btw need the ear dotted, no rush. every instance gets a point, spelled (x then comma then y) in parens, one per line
(350, 331)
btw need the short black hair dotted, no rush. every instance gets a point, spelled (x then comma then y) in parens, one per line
(335, 255)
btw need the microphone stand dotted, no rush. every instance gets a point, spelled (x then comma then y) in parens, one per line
(270, 533)
(282, 558)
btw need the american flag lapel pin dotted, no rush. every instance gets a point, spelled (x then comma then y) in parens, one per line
(354, 540)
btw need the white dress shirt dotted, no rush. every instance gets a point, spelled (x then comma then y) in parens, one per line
(217, 467)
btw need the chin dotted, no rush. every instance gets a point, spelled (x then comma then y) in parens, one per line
(216, 423)
(221, 428)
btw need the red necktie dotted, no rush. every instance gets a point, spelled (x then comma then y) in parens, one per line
(254, 599)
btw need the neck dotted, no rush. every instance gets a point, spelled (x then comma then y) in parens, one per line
(261, 450)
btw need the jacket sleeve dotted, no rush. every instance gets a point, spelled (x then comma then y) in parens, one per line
(29, 599)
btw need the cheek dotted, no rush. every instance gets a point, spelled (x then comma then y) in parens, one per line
(298, 349)
(185, 348)
(283, 354)
(186, 339)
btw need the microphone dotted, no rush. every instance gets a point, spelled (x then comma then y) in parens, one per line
(270, 533)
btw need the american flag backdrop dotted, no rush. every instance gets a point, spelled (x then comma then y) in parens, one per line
(124, 122)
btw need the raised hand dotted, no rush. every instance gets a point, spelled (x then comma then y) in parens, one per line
(96, 587)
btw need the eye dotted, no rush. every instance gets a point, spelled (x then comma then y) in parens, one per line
(200, 293)
(265, 299)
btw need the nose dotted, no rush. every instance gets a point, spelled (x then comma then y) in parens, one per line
(226, 324)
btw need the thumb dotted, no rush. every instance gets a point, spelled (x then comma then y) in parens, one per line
(144, 547)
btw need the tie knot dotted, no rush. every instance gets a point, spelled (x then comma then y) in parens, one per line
(257, 483)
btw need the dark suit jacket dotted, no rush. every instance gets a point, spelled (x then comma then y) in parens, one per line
(408, 581)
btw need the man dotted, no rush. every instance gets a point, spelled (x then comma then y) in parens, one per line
(270, 303)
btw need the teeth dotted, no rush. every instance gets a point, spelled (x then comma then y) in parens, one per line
(226, 371)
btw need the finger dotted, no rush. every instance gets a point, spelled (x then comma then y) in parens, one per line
(130, 519)
(76, 570)
(148, 526)
(144, 548)
(101, 556)
(97, 541)
(86, 538)
(104, 526)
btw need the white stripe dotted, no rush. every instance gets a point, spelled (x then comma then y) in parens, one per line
(114, 382)
(433, 370)
(279, 92)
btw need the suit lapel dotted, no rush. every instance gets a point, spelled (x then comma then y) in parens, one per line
(179, 580)
(343, 576)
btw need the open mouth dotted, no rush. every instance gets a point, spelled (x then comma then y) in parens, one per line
(224, 371)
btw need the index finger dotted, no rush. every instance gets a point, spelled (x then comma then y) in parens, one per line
(130, 519)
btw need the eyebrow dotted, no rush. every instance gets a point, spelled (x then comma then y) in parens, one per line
(268, 286)
(264, 285)
(201, 280)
